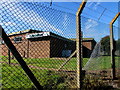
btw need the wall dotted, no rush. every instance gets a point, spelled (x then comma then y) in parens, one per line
(46, 47)
(39, 48)
(58, 45)
(20, 46)
(87, 44)
(88, 47)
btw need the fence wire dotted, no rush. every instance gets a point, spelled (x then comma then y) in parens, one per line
(45, 37)
(42, 35)
(116, 33)
(97, 43)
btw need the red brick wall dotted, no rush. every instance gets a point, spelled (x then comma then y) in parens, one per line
(44, 47)
(58, 45)
(20, 46)
(87, 45)
(30, 49)
(3, 50)
(39, 49)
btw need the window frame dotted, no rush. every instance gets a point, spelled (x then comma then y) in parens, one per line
(17, 39)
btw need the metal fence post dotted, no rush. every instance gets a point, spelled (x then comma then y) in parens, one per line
(78, 43)
(18, 57)
(112, 46)
(9, 57)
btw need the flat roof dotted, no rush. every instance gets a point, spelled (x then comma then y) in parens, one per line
(37, 31)
(84, 39)
(22, 32)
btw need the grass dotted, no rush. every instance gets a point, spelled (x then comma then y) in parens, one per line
(15, 77)
(99, 63)
(102, 63)
(49, 62)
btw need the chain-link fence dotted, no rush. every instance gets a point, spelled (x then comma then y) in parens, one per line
(116, 33)
(96, 28)
(45, 37)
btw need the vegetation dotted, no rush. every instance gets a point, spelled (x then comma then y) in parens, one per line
(105, 45)
(48, 62)
(51, 80)
(14, 77)
(97, 63)
(95, 83)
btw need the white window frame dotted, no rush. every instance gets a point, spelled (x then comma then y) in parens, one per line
(19, 40)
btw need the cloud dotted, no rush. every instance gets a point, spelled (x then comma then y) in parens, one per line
(65, 21)
(96, 30)
(89, 4)
(30, 17)
(90, 29)
(90, 24)
(96, 5)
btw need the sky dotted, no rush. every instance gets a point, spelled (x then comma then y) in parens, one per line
(60, 18)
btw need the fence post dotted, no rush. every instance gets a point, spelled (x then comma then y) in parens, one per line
(78, 43)
(18, 57)
(112, 46)
(9, 57)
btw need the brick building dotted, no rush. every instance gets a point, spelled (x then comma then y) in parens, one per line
(39, 44)
(88, 46)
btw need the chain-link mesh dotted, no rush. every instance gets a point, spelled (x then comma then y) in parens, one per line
(117, 50)
(45, 37)
(98, 65)
(42, 35)
(96, 44)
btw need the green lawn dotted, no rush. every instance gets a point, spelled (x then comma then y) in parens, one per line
(49, 62)
(14, 76)
(99, 63)
(102, 63)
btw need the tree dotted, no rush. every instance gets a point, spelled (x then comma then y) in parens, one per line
(105, 45)
(118, 47)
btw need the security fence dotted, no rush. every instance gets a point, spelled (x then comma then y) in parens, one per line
(116, 33)
(101, 66)
(45, 47)
(100, 57)
(43, 37)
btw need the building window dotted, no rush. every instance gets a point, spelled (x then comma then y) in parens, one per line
(17, 39)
